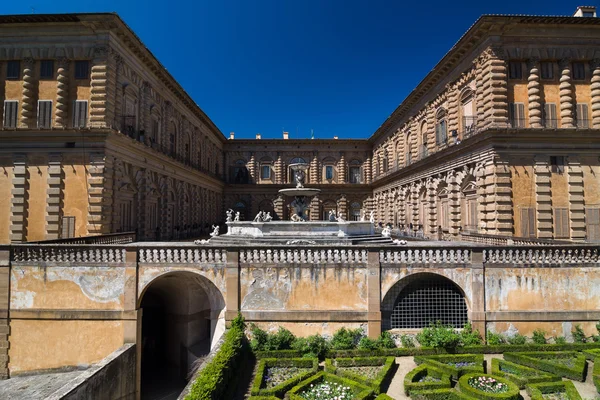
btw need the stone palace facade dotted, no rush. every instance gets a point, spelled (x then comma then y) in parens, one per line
(500, 138)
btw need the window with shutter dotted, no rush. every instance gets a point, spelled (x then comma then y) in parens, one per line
(592, 223)
(582, 116)
(547, 70)
(68, 227)
(561, 223)
(11, 108)
(578, 71)
(515, 70)
(516, 114)
(550, 120)
(80, 113)
(528, 222)
(13, 69)
(44, 119)
(82, 69)
(46, 69)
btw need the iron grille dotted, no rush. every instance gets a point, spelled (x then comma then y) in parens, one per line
(427, 300)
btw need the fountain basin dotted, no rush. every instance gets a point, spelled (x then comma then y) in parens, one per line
(281, 229)
(296, 192)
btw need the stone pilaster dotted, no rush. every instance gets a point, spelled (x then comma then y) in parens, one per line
(485, 197)
(251, 166)
(139, 200)
(480, 77)
(431, 141)
(477, 311)
(4, 311)
(342, 205)
(595, 93)
(494, 89)
(314, 170)
(533, 93)
(100, 183)
(279, 170)
(315, 208)
(543, 197)
(341, 169)
(102, 82)
(453, 114)
(62, 94)
(566, 95)
(19, 202)
(28, 95)
(144, 117)
(55, 195)
(502, 199)
(576, 199)
(373, 294)
(431, 208)
(232, 283)
(453, 203)
(279, 208)
(2, 89)
(368, 171)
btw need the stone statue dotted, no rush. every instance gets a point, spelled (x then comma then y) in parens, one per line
(372, 217)
(299, 177)
(340, 217)
(332, 217)
(386, 232)
(299, 206)
(215, 231)
(259, 217)
(363, 215)
(296, 218)
(229, 215)
(237, 217)
(267, 217)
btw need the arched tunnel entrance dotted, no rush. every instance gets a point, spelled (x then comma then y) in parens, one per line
(181, 319)
(421, 299)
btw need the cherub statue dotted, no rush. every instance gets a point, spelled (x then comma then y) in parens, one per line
(332, 217)
(259, 217)
(386, 232)
(215, 231)
(363, 215)
(372, 217)
(237, 217)
(296, 218)
(267, 217)
(229, 214)
(340, 217)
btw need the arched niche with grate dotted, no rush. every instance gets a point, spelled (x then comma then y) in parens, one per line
(421, 299)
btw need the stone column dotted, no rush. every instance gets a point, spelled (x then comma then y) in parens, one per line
(4, 308)
(543, 198)
(368, 171)
(315, 208)
(494, 88)
(453, 203)
(576, 199)
(279, 170)
(232, 283)
(431, 210)
(252, 169)
(341, 169)
(19, 200)
(140, 199)
(314, 170)
(279, 208)
(566, 95)
(29, 95)
(103, 80)
(595, 87)
(100, 182)
(342, 205)
(533, 92)
(477, 311)
(62, 94)
(373, 294)
(54, 199)
(502, 199)
(453, 114)
(484, 195)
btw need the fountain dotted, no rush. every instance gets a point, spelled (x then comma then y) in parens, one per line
(301, 194)
(299, 229)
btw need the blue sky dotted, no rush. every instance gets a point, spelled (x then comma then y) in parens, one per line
(339, 67)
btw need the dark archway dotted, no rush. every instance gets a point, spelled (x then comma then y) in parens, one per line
(421, 299)
(180, 315)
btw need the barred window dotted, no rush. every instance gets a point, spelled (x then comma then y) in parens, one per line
(426, 299)
(515, 70)
(547, 68)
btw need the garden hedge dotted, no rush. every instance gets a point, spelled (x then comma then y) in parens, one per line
(383, 396)
(218, 379)
(361, 392)
(263, 398)
(480, 349)
(378, 383)
(520, 374)
(282, 388)
(592, 354)
(596, 374)
(548, 361)
(439, 394)
(441, 361)
(411, 380)
(278, 354)
(464, 387)
(537, 390)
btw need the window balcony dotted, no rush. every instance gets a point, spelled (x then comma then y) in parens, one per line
(469, 126)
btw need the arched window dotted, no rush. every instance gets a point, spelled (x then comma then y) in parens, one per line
(399, 148)
(443, 209)
(130, 105)
(385, 161)
(172, 139)
(409, 155)
(423, 152)
(328, 206)
(291, 175)
(239, 173)
(266, 169)
(469, 207)
(329, 173)
(441, 128)
(422, 299)
(355, 208)
(354, 172)
(467, 113)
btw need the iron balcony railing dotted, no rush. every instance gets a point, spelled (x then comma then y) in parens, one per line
(469, 126)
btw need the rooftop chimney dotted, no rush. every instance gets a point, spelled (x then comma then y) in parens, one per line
(231, 135)
(286, 135)
(585, 11)
(335, 138)
(258, 136)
